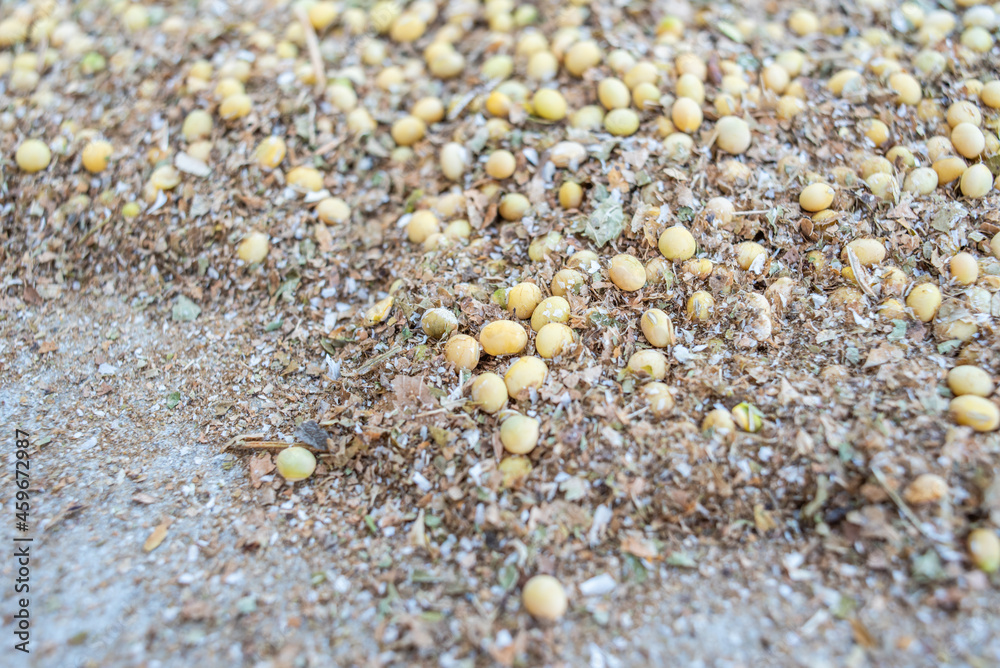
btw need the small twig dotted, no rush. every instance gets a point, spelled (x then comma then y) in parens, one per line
(43, 46)
(443, 409)
(69, 510)
(91, 231)
(433, 412)
(312, 119)
(372, 363)
(750, 213)
(905, 509)
(243, 437)
(267, 445)
(312, 43)
(329, 146)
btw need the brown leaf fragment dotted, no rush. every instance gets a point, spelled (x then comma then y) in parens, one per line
(260, 466)
(251, 201)
(862, 635)
(639, 546)
(348, 449)
(763, 519)
(804, 443)
(48, 347)
(675, 174)
(476, 202)
(195, 610)
(490, 215)
(158, 535)
(324, 239)
(885, 353)
(417, 537)
(901, 211)
(143, 498)
(807, 228)
(636, 158)
(31, 296)
(926, 488)
(498, 449)
(617, 181)
(788, 394)
(412, 392)
(418, 636)
(505, 656)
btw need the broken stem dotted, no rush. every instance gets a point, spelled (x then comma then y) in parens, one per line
(312, 43)
(904, 509)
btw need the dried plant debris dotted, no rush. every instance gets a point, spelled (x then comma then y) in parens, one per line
(537, 306)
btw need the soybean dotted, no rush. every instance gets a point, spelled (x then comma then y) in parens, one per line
(924, 299)
(658, 397)
(544, 598)
(522, 300)
(463, 351)
(524, 375)
(550, 310)
(519, 434)
(677, 244)
(503, 337)
(254, 248)
(489, 392)
(816, 197)
(974, 411)
(295, 463)
(627, 272)
(95, 156)
(700, 306)
(967, 379)
(657, 327)
(649, 363)
(32, 156)
(552, 339)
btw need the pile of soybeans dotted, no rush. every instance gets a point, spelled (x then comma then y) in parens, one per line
(576, 279)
